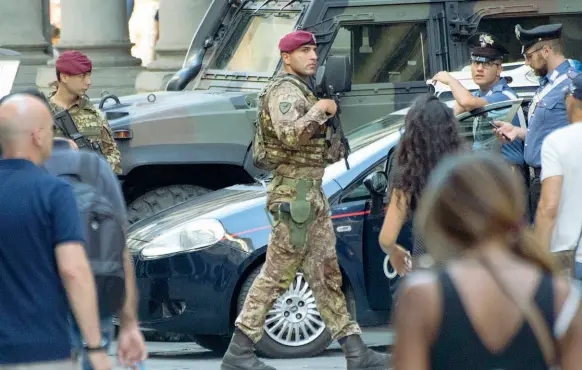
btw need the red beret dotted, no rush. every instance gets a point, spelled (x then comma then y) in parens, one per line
(296, 39)
(73, 63)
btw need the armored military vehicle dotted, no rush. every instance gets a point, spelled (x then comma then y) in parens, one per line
(195, 137)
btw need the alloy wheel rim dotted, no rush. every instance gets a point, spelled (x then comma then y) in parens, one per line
(294, 319)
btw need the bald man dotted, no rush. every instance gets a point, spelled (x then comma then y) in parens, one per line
(43, 259)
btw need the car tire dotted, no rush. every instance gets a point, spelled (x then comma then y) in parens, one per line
(271, 348)
(215, 343)
(155, 201)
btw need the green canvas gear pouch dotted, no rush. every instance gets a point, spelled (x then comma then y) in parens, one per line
(298, 215)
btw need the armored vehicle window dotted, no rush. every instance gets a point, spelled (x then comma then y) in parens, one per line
(504, 29)
(252, 45)
(385, 53)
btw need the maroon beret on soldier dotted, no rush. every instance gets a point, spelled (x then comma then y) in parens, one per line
(296, 39)
(73, 63)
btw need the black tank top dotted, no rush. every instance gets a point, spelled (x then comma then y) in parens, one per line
(458, 347)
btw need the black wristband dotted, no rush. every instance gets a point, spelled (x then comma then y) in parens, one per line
(101, 347)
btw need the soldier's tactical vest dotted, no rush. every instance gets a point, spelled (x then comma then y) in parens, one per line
(268, 151)
(86, 118)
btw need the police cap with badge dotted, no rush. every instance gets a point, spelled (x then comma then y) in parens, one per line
(486, 48)
(541, 33)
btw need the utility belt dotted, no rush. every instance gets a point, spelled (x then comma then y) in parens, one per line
(298, 214)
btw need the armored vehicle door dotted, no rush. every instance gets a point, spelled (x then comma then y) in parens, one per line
(393, 49)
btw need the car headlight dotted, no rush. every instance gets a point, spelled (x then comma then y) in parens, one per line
(184, 238)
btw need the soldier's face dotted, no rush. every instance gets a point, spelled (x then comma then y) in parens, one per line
(77, 84)
(485, 74)
(302, 61)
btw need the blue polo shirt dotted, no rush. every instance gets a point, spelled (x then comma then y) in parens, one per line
(549, 115)
(37, 213)
(501, 91)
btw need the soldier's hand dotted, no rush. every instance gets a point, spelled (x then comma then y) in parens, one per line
(73, 144)
(505, 132)
(328, 105)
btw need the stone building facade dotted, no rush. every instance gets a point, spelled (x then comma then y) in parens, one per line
(100, 30)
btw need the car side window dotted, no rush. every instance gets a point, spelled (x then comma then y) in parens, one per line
(385, 53)
(357, 191)
(477, 130)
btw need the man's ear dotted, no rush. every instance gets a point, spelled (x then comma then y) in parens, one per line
(286, 57)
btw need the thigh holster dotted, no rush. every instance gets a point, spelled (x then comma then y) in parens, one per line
(298, 215)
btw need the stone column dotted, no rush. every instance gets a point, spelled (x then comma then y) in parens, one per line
(100, 30)
(179, 20)
(22, 30)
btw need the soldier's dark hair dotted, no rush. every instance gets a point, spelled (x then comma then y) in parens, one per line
(431, 133)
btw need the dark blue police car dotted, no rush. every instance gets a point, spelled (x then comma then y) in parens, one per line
(196, 261)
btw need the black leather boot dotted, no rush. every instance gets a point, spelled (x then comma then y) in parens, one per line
(360, 357)
(240, 354)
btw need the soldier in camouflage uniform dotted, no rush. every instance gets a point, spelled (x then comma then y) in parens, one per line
(291, 141)
(73, 79)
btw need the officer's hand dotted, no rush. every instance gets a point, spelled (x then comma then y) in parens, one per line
(506, 132)
(328, 105)
(443, 77)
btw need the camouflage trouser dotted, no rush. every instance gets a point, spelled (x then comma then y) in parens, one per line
(318, 262)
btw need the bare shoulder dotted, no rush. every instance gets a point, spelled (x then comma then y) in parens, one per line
(419, 289)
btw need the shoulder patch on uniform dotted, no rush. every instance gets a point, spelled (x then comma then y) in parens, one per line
(284, 107)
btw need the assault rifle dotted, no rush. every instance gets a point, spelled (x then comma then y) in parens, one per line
(331, 79)
(65, 123)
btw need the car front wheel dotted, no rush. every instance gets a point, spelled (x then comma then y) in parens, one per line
(293, 327)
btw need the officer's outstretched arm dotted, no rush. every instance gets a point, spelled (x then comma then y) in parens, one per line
(293, 122)
(465, 99)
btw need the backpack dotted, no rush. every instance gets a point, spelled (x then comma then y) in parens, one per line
(104, 234)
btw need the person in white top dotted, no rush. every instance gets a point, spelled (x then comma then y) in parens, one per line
(559, 215)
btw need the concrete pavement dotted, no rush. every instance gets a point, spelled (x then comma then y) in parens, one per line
(186, 356)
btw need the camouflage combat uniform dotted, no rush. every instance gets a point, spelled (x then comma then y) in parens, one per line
(94, 127)
(294, 146)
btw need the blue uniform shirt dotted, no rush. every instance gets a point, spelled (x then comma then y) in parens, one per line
(501, 91)
(549, 115)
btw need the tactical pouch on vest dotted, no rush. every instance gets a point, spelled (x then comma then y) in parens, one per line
(298, 214)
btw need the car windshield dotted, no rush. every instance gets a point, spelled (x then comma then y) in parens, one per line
(375, 130)
(252, 46)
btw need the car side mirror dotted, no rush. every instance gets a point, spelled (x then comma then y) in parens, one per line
(376, 183)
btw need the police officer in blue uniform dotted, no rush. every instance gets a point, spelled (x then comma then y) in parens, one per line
(486, 67)
(543, 52)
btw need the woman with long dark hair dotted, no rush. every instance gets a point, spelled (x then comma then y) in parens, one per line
(496, 301)
(431, 131)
